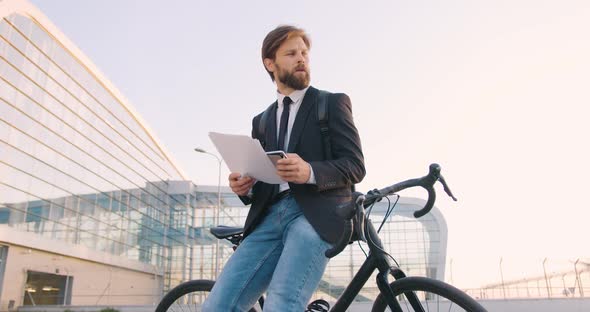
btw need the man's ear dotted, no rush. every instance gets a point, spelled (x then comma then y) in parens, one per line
(269, 64)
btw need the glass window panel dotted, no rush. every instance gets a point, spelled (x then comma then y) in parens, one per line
(4, 214)
(103, 200)
(17, 214)
(47, 289)
(87, 204)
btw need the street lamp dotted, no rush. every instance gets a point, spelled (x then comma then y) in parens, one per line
(502, 276)
(546, 280)
(216, 215)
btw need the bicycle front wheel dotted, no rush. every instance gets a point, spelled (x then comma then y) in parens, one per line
(432, 295)
(187, 297)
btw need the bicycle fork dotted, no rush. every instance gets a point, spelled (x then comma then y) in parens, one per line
(383, 284)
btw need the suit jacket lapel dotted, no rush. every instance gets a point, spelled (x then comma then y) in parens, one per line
(271, 130)
(306, 106)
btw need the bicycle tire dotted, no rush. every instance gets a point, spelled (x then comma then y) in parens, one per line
(444, 297)
(170, 302)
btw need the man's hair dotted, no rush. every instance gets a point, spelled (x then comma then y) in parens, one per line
(276, 37)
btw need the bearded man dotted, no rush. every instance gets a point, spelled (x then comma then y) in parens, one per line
(290, 226)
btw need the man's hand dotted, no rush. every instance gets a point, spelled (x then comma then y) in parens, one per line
(240, 185)
(293, 169)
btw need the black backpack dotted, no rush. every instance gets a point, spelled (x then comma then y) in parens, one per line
(322, 111)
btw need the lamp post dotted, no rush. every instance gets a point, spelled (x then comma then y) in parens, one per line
(578, 281)
(502, 276)
(546, 280)
(216, 214)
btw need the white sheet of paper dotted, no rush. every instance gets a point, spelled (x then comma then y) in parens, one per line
(245, 155)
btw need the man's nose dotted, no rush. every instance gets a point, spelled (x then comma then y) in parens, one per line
(300, 58)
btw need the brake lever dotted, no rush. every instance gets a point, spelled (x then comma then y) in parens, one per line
(372, 194)
(446, 187)
(359, 219)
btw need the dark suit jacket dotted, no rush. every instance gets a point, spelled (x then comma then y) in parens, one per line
(334, 177)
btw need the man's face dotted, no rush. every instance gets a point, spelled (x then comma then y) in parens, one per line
(291, 64)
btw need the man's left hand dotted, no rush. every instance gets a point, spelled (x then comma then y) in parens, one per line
(293, 169)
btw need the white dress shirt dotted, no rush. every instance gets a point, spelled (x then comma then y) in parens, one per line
(297, 97)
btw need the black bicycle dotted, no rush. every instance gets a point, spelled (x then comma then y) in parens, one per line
(403, 294)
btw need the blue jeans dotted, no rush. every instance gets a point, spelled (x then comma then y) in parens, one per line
(283, 256)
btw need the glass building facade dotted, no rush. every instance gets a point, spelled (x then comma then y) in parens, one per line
(93, 210)
(77, 165)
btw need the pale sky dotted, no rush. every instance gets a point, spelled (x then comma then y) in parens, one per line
(497, 92)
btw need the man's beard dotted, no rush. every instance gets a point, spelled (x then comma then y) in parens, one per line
(291, 80)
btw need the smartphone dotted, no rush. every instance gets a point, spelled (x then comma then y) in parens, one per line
(274, 156)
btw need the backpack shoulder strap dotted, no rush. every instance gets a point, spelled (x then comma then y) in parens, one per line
(262, 125)
(322, 107)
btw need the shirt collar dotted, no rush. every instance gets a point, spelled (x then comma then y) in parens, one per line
(295, 96)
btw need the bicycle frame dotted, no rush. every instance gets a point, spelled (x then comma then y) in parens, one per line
(377, 259)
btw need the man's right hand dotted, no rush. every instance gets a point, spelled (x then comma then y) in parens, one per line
(240, 185)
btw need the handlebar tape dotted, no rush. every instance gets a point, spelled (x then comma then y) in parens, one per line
(429, 203)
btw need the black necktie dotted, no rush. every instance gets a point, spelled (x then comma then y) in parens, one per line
(284, 122)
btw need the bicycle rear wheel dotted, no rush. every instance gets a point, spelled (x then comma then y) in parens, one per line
(433, 295)
(187, 297)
